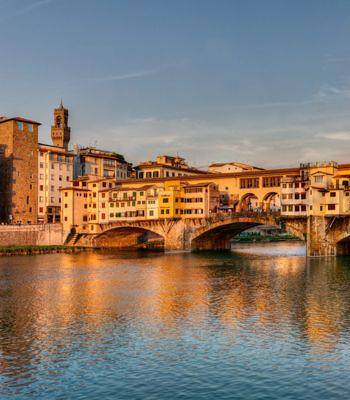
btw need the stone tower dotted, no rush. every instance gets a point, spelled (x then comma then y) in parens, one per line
(60, 131)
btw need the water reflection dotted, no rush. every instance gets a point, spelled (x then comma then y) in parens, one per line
(120, 320)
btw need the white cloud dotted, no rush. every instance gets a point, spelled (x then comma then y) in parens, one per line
(341, 135)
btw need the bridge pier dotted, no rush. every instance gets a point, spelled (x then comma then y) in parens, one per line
(320, 240)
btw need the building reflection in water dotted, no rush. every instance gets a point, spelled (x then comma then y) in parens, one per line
(55, 306)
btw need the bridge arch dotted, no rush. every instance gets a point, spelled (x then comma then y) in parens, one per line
(217, 235)
(128, 236)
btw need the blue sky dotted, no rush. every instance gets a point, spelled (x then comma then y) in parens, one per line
(264, 82)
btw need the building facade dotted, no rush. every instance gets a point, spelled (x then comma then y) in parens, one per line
(97, 163)
(55, 166)
(165, 167)
(19, 170)
(224, 168)
(321, 189)
(87, 203)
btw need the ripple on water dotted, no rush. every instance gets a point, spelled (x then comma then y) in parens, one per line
(261, 323)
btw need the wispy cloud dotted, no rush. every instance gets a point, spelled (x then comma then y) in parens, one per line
(340, 135)
(24, 10)
(117, 77)
(123, 77)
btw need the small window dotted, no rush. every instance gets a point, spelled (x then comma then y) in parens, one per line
(30, 127)
(20, 125)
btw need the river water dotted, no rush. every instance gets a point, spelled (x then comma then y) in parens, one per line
(262, 322)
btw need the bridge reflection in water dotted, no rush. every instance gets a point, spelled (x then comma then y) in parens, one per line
(129, 319)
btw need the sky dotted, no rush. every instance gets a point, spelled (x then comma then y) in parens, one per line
(262, 82)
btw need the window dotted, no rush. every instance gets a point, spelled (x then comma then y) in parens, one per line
(246, 183)
(166, 200)
(318, 178)
(20, 125)
(331, 207)
(30, 127)
(332, 194)
(271, 181)
(41, 165)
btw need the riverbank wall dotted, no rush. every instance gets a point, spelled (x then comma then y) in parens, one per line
(32, 235)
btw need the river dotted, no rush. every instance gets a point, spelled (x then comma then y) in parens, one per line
(262, 322)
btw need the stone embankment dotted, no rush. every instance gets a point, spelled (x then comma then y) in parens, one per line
(31, 235)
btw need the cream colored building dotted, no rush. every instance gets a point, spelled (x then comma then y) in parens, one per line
(224, 168)
(93, 162)
(165, 167)
(55, 171)
(320, 189)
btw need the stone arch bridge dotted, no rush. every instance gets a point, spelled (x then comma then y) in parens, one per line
(212, 233)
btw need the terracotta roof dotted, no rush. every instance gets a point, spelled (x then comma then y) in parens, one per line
(154, 164)
(55, 149)
(20, 119)
(238, 164)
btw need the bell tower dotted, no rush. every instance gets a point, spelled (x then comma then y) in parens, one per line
(60, 131)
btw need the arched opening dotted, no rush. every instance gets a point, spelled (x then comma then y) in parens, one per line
(343, 246)
(271, 202)
(129, 237)
(219, 238)
(249, 202)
